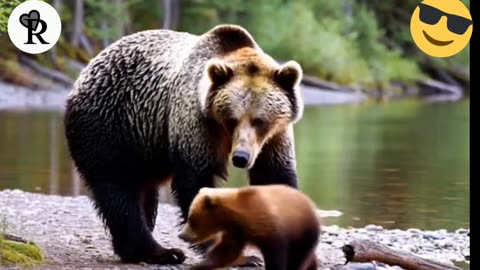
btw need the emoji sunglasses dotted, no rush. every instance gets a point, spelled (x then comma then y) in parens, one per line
(455, 23)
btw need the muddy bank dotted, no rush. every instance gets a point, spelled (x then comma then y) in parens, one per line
(72, 236)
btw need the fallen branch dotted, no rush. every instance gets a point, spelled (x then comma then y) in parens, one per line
(319, 83)
(49, 73)
(368, 251)
(459, 74)
(86, 44)
(441, 86)
(14, 238)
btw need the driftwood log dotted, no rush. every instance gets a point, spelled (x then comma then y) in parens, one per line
(322, 84)
(14, 238)
(368, 251)
(54, 75)
(441, 86)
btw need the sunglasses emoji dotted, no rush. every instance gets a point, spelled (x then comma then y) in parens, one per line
(441, 28)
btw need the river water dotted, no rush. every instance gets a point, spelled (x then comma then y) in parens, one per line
(400, 165)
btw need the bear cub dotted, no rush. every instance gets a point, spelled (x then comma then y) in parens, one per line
(279, 220)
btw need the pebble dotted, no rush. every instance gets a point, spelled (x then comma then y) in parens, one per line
(359, 266)
(462, 231)
(444, 243)
(414, 231)
(375, 228)
(332, 230)
(431, 235)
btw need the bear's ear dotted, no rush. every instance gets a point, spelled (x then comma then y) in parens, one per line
(289, 75)
(209, 202)
(219, 73)
(230, 37)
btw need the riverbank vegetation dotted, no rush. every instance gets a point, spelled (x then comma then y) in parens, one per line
(353, 44)
(15, 251)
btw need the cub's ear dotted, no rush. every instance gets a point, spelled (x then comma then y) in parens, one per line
(216, 74)
(289, 75)
(209, 202)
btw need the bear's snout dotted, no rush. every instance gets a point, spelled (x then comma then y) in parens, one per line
(240, 159)
(184, 237)
(187, 234)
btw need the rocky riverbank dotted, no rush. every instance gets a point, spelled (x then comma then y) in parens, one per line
(18, 97)
(73, 237)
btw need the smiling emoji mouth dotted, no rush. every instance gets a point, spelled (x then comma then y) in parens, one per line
(436, 42)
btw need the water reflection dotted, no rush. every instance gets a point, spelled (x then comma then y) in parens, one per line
(400, 165)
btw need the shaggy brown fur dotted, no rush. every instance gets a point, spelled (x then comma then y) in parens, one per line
(281, 221)
(159, 105)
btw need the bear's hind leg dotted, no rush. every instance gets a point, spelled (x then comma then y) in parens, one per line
(120, 207)
(275, 255)
(302, 251)
(312, 262)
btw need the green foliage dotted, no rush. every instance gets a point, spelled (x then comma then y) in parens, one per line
(351, 42)
(316, 45)
(6, 7)
(327, 40)
(384, 64)
(109, 12)
(19, 254)
(14, 253)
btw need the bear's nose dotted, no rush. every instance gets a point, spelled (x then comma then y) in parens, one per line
(240, 159)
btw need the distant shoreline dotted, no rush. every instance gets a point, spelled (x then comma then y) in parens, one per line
(19, 97)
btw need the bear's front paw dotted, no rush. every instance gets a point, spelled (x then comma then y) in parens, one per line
(167, 256)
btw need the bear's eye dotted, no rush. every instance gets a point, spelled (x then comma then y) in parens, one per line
(259, 123)
(231, 123)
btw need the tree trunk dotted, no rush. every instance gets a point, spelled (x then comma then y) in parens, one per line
(105, 39)
(171, 14)
(57, 5)
(167, 14)
(77, 22)
(118, 20)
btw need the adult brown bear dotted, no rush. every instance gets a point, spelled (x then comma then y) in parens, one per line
(160, 105)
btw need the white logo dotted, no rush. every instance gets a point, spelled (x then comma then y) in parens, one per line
(34, 26)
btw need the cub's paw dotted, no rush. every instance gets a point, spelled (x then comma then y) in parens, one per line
(248, 261)
(199, 267)
(166, 256)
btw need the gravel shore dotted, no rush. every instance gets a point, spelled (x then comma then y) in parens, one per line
(73, 237)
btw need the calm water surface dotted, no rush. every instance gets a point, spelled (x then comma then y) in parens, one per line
(400, 165)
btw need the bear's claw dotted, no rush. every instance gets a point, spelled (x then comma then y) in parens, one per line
(167, 256)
